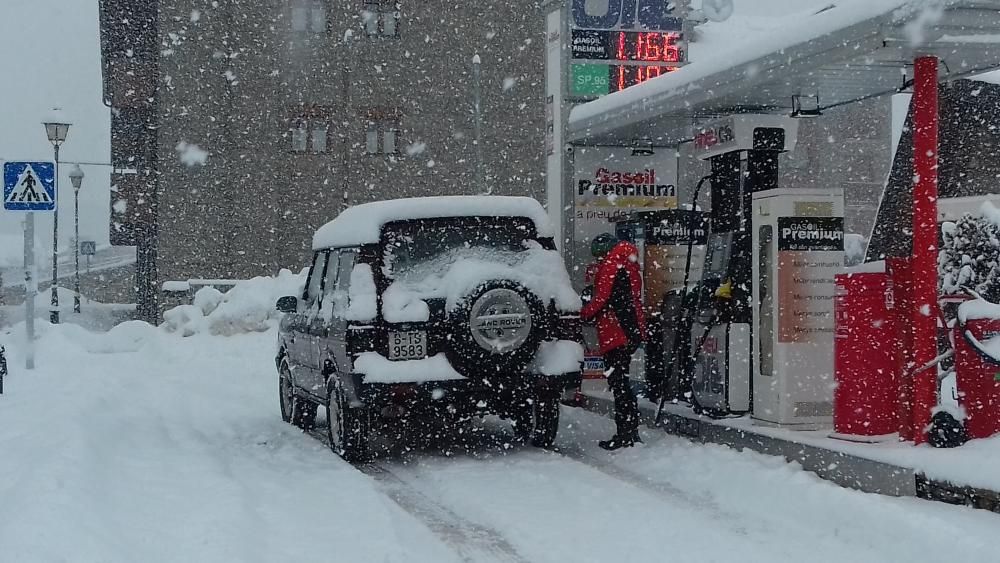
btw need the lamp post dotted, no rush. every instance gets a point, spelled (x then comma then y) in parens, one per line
(56, 130)
(478, 102)
(76, 177)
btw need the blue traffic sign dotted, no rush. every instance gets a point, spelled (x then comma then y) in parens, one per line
(29, 186)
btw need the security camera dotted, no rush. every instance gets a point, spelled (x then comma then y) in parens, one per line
(569, 149)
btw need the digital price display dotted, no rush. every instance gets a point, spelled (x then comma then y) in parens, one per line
(623, 77)
(606, 61)
(635, 47)
(625, 58)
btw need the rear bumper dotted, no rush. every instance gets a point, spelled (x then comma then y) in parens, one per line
(464, 396)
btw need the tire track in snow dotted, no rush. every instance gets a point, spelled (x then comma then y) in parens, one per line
(658, 488)
(470, 540)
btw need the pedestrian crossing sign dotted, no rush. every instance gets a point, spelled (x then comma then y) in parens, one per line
(29, 186)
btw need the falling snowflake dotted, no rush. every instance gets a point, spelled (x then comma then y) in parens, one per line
(191, 154)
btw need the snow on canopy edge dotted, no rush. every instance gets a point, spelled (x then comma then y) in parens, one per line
(362, 224)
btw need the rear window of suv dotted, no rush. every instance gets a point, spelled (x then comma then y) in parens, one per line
(413, 243)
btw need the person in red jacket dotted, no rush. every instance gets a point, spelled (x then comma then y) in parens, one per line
(615, 307)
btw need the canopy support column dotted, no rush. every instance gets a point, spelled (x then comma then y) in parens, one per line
(925, 241)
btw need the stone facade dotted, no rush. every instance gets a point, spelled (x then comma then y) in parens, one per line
(243, 80)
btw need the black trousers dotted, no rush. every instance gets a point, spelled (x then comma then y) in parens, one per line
(616, 366)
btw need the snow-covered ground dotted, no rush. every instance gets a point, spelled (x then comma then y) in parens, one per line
(143, 445)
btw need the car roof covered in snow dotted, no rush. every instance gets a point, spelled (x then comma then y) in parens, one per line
(362, 224)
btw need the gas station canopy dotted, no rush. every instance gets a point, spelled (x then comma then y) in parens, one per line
(848, 51)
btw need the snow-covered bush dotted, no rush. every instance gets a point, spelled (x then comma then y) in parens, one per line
(970, 254)
(247, 307)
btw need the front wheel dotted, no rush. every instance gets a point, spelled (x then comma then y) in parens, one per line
(347, 427)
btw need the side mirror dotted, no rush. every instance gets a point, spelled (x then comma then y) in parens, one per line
(287, 304)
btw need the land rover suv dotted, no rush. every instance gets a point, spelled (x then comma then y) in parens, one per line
(448, 307)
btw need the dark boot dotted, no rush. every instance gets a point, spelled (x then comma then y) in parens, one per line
(617, 442)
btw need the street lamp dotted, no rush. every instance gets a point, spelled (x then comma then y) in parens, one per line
(56, 129)
(478, 102)
(76, 176)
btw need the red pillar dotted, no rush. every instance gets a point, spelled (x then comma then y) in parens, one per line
(925, 239)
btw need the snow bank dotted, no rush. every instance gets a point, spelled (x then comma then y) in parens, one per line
(454, 275)
(558, 357)
(247, 307)
(177, 453)
(362, 224)
(379, 369)
(44, 298)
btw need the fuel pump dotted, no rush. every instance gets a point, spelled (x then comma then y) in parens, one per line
(743, 151)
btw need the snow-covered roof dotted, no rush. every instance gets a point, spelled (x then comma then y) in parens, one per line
(842, 50)
(362, 224)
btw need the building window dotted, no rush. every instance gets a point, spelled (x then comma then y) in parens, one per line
(389, 140)
(309, 15)
(371, 139)
(381, 18)
(382, 135)
(300, 18)
(300, 136)
(309, 132)
(318, 136)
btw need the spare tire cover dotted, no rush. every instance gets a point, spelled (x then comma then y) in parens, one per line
(497, 328)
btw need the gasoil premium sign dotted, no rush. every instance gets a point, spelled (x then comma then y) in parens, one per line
(613, 181)
(810, 253)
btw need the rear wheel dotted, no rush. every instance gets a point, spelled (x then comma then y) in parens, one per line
(347, 427)
(294, 409)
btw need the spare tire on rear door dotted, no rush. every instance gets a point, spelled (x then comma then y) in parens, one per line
(496, 329)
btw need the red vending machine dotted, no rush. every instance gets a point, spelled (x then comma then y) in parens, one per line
(866, 356)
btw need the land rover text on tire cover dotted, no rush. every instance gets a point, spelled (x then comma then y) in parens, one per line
(442, 307)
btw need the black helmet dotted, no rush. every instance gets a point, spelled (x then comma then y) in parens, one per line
(602, 244)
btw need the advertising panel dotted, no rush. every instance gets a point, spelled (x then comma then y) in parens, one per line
(810, 254)
(666, 246)
(611, 182)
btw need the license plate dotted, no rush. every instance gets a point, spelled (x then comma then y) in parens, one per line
(409, 345)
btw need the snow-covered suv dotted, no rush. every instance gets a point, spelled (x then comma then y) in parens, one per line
(443, 307)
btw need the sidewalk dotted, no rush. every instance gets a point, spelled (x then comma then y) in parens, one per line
(966, 475)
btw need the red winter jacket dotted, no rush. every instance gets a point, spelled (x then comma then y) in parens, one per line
(617, 301)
